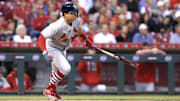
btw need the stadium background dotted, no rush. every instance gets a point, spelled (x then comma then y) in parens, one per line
(12, 15)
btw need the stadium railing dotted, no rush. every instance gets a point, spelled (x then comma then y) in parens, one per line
(9, 53)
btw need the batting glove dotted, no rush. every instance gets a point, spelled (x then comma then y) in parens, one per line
(88, 43)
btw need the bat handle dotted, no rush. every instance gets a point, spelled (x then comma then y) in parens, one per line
(133, 64)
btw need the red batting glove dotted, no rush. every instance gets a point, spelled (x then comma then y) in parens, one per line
(88, 43)
(87, 39)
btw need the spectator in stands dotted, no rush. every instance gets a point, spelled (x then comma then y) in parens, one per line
(51, 7)
(147, 9)
(143, 35)
(30, 3)
(4, 85)
(141, 4)
(122, 21)
(132, 30)
(8, 7)
(174, 3)
(108, 15)
(39, 22)
(155, 21)
(100, 22)
(114, 4)
(90, 73)
(92, 30)
(125, 12)
(12, 79)
(34, 12)
(2, 34)
(145, 73)
(161, 7)
(95, 8)
(144, 18)
(52, 18)
(100, 12)
(116, 14)
(42, 3)
(123, 37)
(113, 28)
(122, 1)
(10, 31)
(86, 4)
(176, 19)
(82, 12)
(166, 25)
(21, 34)
(85, 26)
(89, 28)
(3, 22)
(104, 36)
(108, 6)
(136, 18)
(132, 5)
(22, 13)
(167, 11)
(175, 38)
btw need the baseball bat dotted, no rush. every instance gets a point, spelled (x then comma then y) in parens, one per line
(133, 64)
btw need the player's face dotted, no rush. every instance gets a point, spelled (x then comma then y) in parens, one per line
(70, 16)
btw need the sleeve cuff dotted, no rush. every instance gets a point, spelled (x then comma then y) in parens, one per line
(44, 52)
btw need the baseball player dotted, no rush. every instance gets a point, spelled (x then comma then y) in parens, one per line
(145, 73)
(54, 40)
(4, 85)
(90, 73)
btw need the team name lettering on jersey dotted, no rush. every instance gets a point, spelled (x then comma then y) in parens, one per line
(64, 37)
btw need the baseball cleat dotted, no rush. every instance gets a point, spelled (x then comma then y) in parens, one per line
(50, 92)
(49, 95)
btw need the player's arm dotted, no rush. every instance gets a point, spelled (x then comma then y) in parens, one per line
(156, 50)
(79, 32)
(88, 40)
(42, 43)
(142, 52)
(48, 32)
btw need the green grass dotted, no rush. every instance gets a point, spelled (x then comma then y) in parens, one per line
(93, 97)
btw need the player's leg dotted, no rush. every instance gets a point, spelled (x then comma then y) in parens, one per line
(50, 90)
(62, 65)
(60, 68)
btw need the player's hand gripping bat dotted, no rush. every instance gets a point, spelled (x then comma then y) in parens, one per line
(133, 64)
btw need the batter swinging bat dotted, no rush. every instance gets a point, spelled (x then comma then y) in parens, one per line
(133, 64)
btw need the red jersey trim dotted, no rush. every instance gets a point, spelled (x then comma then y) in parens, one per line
(42, 43)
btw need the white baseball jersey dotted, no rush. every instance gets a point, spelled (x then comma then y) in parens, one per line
(4, 83)
(59, 34)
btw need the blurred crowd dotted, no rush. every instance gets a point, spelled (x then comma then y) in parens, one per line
(107, 21)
